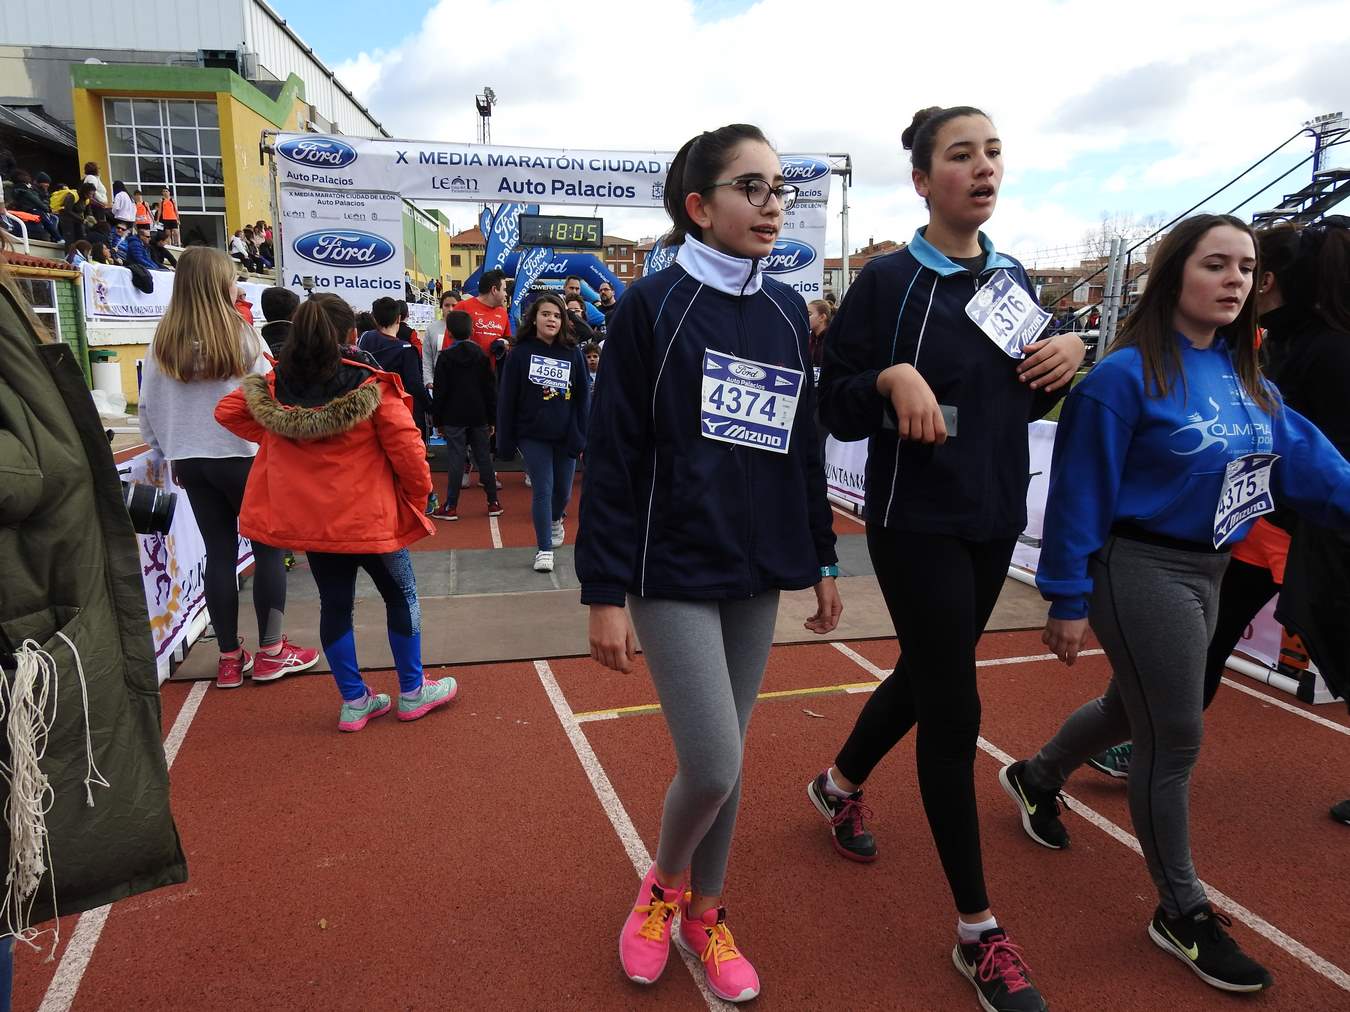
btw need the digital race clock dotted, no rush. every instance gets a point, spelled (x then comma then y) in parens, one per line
(559, 230)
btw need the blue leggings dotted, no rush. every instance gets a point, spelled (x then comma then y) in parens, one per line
(550, 470)
(335, 576)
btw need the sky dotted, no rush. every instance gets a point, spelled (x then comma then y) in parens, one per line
(1130, 111)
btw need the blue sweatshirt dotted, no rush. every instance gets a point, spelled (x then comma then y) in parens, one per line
(1157, 463)
(910, 307)
(667, 509)
(544, 409)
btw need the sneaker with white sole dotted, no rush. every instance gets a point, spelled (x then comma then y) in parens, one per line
(1199, 940)
(1038, 809)
(543, 562)
(730, 975)
(287, 659)
(559, 533)
(1114, 762)
(1000, 976)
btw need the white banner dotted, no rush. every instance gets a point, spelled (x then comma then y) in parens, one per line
(173, 566)
(430, 170)
(846, 471)
(350, 242)
(110, 295)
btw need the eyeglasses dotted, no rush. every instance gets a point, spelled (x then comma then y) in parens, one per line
(757, 191)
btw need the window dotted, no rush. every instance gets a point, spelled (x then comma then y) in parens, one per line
(624, 251)
(153, 143)
(41, 297)
(454, 260)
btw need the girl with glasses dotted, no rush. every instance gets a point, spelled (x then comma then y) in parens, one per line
(704, 497)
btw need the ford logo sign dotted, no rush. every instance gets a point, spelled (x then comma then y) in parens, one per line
(321, 152)
(788, 255)
(745, 371)
(344, 248)
(803, 170)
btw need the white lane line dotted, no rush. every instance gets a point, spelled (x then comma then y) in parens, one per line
(617, 814)
(80, 950)
(1257, 923)
(496, 532)
(1341, 728)
(992, 662)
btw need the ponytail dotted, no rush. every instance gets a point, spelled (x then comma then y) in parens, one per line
(319, 331)
(695, 168)
(1312, 267)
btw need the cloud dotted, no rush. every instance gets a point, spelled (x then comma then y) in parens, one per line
(1211, 90)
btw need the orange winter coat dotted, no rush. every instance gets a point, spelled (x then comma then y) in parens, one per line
(340, 468)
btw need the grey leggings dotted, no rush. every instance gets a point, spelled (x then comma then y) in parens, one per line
(1154, 609)
(707, 661)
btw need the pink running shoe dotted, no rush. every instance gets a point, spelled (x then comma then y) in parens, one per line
(230, 671)
(269, 667)
(644, 942)
(730, 975)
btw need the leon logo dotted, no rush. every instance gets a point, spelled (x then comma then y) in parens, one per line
(788, 255)
(804, 170)
(344, 249)
(324, 153)
(745, 371)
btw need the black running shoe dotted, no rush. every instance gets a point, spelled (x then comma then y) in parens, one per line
(846, 817)
(1039, 809)
(1341, 812)
(994, 966)
(1199, 940)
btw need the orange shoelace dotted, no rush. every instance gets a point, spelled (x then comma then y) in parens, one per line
(659, 913)
(721, 946)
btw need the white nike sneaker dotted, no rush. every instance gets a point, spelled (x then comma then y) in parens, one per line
(543, 562)
(558, 533)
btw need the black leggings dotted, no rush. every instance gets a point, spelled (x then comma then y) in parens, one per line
(940, 592)
(1245, 591)
(215, 489)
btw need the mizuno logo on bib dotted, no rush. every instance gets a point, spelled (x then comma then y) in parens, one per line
(1007, 314)
(748, 403)
(1245, 494)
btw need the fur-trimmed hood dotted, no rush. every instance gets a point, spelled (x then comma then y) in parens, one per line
(341, 414)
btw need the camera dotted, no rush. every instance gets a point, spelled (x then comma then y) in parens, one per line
(151, 508)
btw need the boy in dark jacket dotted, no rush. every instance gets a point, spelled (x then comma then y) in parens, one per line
(463, 405)
(278, 306)
(400, 358)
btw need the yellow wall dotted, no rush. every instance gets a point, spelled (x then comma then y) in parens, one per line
(247, 183)
(90, 137)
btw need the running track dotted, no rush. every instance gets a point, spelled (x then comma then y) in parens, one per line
(484, 857)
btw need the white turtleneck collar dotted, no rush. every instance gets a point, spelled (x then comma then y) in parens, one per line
(718, 270)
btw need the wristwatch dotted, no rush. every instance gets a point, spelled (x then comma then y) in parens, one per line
(832, 571)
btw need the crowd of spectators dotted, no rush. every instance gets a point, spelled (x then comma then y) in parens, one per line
(119, 227)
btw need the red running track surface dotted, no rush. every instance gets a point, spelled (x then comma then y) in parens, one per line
(465, 861)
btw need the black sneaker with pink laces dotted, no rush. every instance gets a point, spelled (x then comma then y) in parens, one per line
(1000, 976)
(845, 816)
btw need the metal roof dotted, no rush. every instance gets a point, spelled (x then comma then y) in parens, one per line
(26, 117)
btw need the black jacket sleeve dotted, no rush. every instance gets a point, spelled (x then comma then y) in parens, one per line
(410, 371)
(813, 467)
(507, 398)
(850, 406)
(581, 405)
(440, 389)
(488, 382)
(617, 457)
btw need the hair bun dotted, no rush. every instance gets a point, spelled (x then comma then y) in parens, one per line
(916, 124)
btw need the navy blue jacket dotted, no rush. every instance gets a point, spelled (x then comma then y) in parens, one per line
(399, 358)
(909, 306)
(527, 410)
(666, 512)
